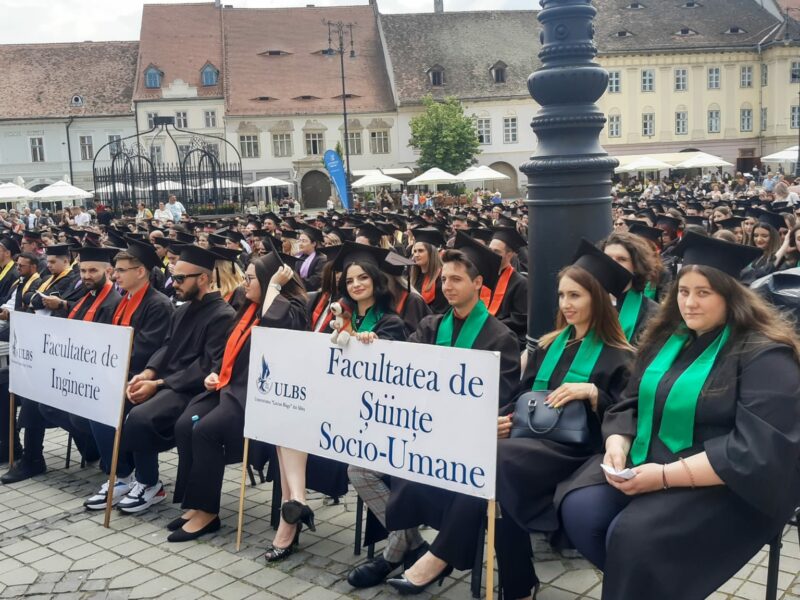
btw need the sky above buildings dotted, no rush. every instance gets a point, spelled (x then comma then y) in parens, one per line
(46, 21)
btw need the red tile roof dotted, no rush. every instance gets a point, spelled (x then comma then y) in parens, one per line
(302, 71)
(180, 39)
(40, 80)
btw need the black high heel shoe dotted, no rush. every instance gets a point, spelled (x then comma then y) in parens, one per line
(406, 588)
(294, 511)
(274, 553)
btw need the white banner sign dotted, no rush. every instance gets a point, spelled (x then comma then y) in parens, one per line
(75, 366)
(415, 411)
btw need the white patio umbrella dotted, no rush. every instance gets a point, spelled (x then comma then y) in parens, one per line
(221, 183)
(109, 188)
(702, 160)
(469, 174)
(787, 155)
(11, 191)
(61, 190)
(169, 184)
(269, 183)
(490, 174)
(645, 163)
(434, 176)
(376, 180)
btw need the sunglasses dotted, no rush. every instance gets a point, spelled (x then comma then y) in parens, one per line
(183, 277)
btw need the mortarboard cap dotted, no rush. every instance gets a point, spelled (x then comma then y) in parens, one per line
(198, 256)
(770, 218)
(429, 235)
(486, 261)
(145, 252)
(97, 254)
(510, 237)
(11, 245)
(724, 256)
(609, 273)
(57, 250)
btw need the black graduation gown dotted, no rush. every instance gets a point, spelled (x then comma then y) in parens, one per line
(314, 299)
(414, 310)
(314, 279)
(456, 516)
(105, 311)
(647, 310)
(513, 311)
(685, 543)
(7, 284)
(238, 298)
(66, 287)
(439, 305)
(761, 267)
(150, 323)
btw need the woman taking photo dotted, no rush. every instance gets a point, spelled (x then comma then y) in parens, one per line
(767, 239)
(710, 426)
(636, 255)
(585, 359)
(209, 433)
(427, 270)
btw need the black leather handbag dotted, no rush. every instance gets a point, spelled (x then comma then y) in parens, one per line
(535, 419)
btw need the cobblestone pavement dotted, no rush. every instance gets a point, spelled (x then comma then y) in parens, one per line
(51, 548)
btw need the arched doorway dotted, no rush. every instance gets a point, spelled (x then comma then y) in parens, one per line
(315, 188)
(509, 188)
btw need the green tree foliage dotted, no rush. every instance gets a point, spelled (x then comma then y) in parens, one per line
(444, 135)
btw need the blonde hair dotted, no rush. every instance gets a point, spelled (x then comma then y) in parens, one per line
(227, 276)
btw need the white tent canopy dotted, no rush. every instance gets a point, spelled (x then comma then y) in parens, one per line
(490, 174)
(109, 188)
(61, 190)
(701, 160)
(269, 182)
(221, 183)
(376, 181)
(643, 163)
(673, 159)
(787, 155)
(11, 191)
(434, 176)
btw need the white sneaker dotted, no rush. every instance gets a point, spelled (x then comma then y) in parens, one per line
(142, 497)
(121, 487)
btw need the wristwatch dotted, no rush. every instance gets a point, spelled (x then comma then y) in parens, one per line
(277, 286)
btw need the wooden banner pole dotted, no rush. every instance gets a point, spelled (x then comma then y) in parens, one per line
(242, 489)
(490, 551)
(112, 475)
(12, 429)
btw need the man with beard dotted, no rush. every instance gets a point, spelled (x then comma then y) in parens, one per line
(96, 306)
(174, 374)
(60, 283)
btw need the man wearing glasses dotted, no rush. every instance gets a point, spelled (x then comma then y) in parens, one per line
(174, 374)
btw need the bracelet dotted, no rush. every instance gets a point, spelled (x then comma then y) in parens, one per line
(664, 477)
(689, 472)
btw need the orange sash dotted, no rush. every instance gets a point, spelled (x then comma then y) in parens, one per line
(89, 316)
(318, 310)
(428, 290)
(493, 301)
(401, 305)
(127, 307)
(235, 343)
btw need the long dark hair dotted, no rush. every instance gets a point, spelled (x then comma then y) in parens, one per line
(746, 312)
(774, 239)
(605, 319)
(266, 266)
(384, 301)
(646, 263)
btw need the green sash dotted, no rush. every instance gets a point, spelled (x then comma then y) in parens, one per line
(650, 291)
(630, 312)
(677, 422)
(582, 365)
(370, 320)
(469, 330)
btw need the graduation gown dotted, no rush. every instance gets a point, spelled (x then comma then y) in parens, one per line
(7, 283)
(513, 310)
(151, 323)
(761, 267)
(66, 287)
(104, 312)
(457, 517)
(647, 310)
(439, 305)
(237, 298)
(314, 278)
(685, 543)
(413, 311)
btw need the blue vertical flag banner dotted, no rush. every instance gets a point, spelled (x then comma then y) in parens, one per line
(333, 163)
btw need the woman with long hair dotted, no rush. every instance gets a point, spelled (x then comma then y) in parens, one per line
(635, 254)
(767, 239)
(584, 359)
(703, 448)
(788, 255)
(209, 433)
(427, 269)
(309, 267)
(228, 277)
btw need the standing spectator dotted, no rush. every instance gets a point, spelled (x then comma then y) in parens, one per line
(81, 219)
(144, 213)
(28, 219)
(163, 214)
(176, 208)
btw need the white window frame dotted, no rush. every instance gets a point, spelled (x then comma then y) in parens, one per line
(681, 79)
(151, 119)
(648, 124)
(794, 72)
(114, 143)
(483, 128)
(249, 146)
(681, 122)
(37, 149)
(764, 118)
(746, 119)
(510, 132)
(614, 82)
(157, 154)
(714, 118)
(282, 145)
(648, 80)
(210, 118)
(315, 139)
(794, 117)
(764, 74)
(354, 143)
(87, 147)
(746, 76)
(714, 78)
(182, 119)
(379, 142)
(615, 126)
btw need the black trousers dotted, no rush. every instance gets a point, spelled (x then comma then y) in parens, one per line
(34, 425)
(205, 446)
(514, 559)
(76, 426)
(150, 426)
(5, 418)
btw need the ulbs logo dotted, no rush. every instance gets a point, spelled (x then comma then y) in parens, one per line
(281, 389)
(19, 352)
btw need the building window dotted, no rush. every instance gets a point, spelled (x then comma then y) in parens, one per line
(648, 124)
(87, 147)
(681, 122)
(282, 144)
(151, 120)
(681, 80)
(795, 73)
(213, 149)
(746, 76)
(713, 78)
(509, 130)
(157, 154)
(152, 78)
(37, 149)
(614, 82)
(183, 151)
(315, 143)
(764, 119)
(746, 119)
(714, 121)
(210, 75)
(500, 75)
(615, 126)
(210, 118)
(436, 75)
(484, 130)
(181, 119)
(648, 80)
(115, 144)
(764, 75)
(379, 142)
(354, 143)
(794, 118)
(249, 146)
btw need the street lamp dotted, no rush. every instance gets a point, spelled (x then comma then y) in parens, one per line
(339, 29)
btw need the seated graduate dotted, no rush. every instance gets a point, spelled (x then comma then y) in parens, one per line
(634, 253)
(427, 270)
(585, 359)
(508, 301)
(767, 238)
(228, 277)
(710, 425)
(319, 301)
(467, 324)
(311, 260)
(209, 433)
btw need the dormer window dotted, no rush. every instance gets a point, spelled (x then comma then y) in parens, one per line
(76, 101)
(686, 31)
(692, 4)
(264, 98)
(152, 77)
(306, 97)
(623, 34)
(347, 96)
(210, 75)
(735, 30)
(635, 6)
(499, 72)
(274, 53)
(436, 76)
